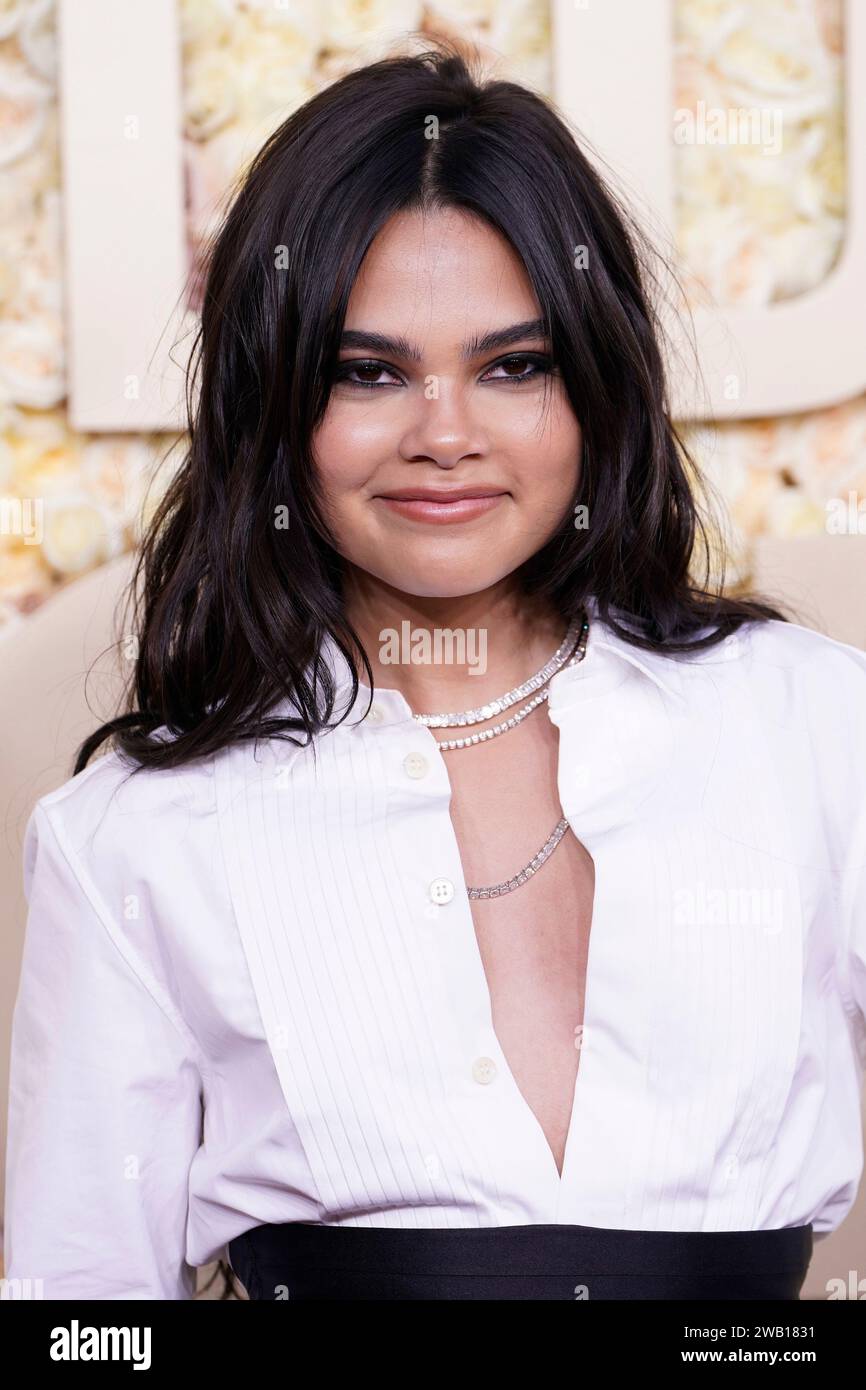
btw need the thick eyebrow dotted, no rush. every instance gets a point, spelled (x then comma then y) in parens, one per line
(402, 348)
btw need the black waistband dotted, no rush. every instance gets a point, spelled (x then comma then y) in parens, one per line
(301, 1261)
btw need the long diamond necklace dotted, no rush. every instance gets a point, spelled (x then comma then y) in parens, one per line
(558, 661)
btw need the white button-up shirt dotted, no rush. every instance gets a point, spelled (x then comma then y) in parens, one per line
(252, 991)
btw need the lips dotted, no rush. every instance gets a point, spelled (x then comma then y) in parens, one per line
(440, 494)
(440, 506)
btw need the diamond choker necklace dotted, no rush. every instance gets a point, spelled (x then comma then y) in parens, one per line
(565, 655)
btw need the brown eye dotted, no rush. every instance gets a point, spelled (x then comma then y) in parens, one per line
(363, 374)
(519, 367)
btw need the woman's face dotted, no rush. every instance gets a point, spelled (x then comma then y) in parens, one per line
(435, 408)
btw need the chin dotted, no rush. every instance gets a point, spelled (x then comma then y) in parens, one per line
(453, 582)
(455, 590)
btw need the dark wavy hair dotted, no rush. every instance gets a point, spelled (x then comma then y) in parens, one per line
(232, 610)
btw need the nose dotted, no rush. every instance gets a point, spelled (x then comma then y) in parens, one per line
(443, 429)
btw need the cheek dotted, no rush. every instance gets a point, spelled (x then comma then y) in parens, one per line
(349, 445)
(337, 459)
(345, 455)
(547, 449)
(542, 414)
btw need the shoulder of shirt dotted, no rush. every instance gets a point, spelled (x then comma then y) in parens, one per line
(113, 773)
(819, 662)
(788, 675)
(778, 665)
(768, 645)
(109, 808)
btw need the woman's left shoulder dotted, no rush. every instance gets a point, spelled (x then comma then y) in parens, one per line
(819, 666)
(808, 689)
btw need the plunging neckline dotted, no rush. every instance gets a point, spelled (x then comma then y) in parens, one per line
(556, 1179)
(557, 1176)
(481, 1000)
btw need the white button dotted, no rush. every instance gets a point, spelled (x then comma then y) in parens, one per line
(415, 765)
(483, 1070)
(441, 890)
(376, 715)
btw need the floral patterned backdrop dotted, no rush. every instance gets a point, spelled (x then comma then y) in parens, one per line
(749, 229)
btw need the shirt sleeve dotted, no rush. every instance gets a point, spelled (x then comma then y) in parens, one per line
(854, 898)
(105, 1101)
(853, 879)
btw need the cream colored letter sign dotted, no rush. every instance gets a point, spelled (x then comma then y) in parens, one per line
(613, 80)
(124, 226)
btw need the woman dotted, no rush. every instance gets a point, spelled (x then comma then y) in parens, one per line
(473, 902)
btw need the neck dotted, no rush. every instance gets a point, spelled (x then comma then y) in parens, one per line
(446, 654)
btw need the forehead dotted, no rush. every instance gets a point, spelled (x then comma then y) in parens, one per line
(439, 268)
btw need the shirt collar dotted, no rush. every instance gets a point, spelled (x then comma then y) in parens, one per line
(609, 660)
